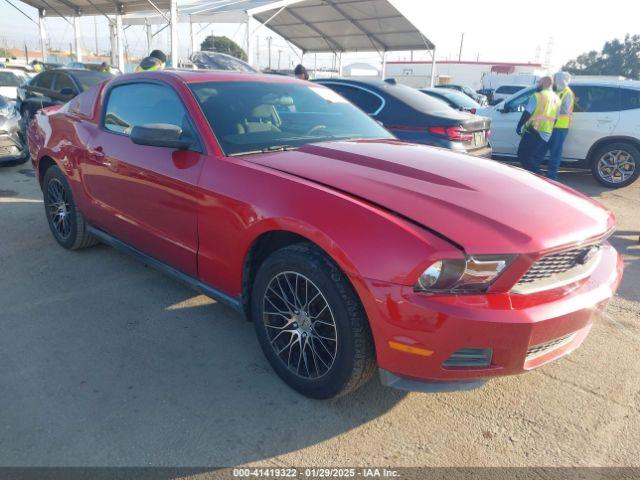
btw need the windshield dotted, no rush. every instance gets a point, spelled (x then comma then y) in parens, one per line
(250, 117)
(9, 79)
(89, 78)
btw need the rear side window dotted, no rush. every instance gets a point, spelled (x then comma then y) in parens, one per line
(629, 99)
(44, 80)
(366, 101)
(64, 81)
(596, 98)
(89, 78)
(143, 103)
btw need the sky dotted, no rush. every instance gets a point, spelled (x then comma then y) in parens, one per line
(494, 30)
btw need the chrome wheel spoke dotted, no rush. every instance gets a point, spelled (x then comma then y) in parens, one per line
(58, 207)
(616, 166)
(287, 302)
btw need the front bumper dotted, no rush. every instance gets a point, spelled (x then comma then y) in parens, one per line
(523, 331)
(11, 145)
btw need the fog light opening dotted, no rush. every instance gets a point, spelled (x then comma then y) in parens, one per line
(469, 358)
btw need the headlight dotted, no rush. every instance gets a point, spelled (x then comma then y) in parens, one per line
(8, 110)
(472, 274)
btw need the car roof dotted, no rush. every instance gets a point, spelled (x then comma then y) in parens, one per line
(200, 76)
(513, 85)
(605, 82)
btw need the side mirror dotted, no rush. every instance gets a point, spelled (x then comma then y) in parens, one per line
(67, 92)
(160, 135)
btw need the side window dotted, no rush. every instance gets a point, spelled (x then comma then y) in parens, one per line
(141, 104)
(367, 102)
(64, 81)
(519, 103)
(44, 80)
(629, 99)
(596, 99)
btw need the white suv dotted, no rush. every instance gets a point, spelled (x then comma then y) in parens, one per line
(604, 135)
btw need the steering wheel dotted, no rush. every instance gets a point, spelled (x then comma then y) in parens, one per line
(315, 129)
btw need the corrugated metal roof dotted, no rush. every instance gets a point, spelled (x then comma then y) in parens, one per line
(68, 8)
(345, 26)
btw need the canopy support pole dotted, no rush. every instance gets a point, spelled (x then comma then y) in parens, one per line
(173, 15)
(192, 36)
(114, 44)
(43, 34)
(433, 66)
(149, 32)
(250, 59)
(384, 65)
(119, 39)
(76, 35)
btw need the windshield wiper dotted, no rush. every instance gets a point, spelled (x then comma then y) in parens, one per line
(273, 148)
(279, 148)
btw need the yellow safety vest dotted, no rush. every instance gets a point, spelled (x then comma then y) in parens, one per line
(150, 69)
(544, 116)
(564, 119)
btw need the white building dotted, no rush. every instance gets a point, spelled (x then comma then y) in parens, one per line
(474, 74)
(360, 70)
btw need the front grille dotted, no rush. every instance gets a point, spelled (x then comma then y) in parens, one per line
(541, 349)
(558, 269)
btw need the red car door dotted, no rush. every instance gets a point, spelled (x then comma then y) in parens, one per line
(146, 196)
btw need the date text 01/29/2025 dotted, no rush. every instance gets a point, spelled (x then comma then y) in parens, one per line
(315, 472)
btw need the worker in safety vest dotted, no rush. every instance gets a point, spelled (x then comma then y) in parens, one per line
(561, 128)
(155, 61)
(105, 67)
(38, 66)
(536, 125)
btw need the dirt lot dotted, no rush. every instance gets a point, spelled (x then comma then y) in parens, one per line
(104, 361)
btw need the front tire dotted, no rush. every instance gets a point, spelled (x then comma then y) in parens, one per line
(66, 222)
(616, 165)
(310, 323)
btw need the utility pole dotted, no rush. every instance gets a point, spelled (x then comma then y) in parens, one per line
(279, 54)
(461, 42)
(269, 44)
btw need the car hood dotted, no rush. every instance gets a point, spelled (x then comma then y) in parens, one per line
(483, 206)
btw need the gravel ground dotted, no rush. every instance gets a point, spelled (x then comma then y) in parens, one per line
(105, 362)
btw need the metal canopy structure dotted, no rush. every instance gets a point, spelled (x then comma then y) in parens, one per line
(313, 26)
(70, 8)
(344, 26)
(112, 10)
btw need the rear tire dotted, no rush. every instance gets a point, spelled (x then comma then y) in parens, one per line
(310, 323)
(66, 222)
(616, 165)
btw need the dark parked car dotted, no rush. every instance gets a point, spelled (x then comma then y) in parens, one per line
(454, 99)
(478, 97)
(55, 87)
(206, 60)
(11, 145)
(415, 117)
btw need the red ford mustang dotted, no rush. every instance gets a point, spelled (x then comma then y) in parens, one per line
(348, 249)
